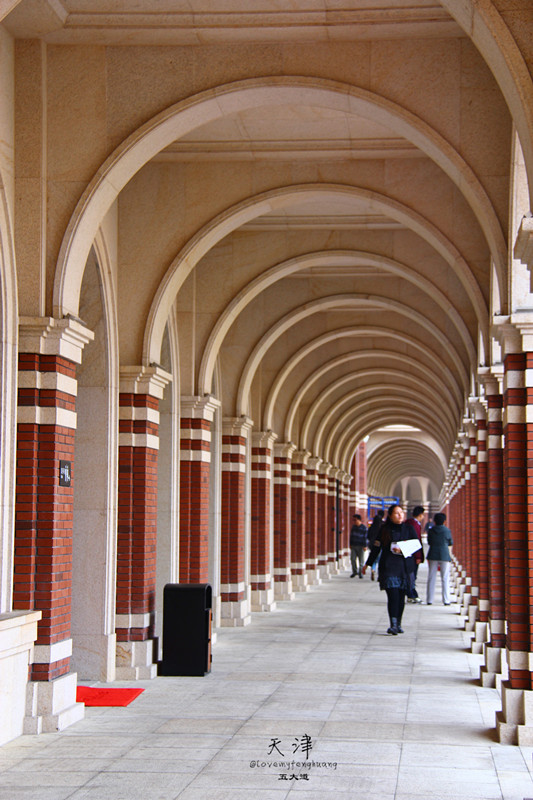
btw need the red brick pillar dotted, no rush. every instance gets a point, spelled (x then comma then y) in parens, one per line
(282, 521)
(49, 351)
(298, 524)
(261, 579)
(332, 521)
(323, 521)
(346, 519)
(471, 529)
(311, 522)
(481, 632)
(141, 388)
(494, 668)
(196, 422)
(359, 482)
(515, 721)
(234, 587)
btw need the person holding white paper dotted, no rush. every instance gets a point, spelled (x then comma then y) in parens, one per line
(396, 571)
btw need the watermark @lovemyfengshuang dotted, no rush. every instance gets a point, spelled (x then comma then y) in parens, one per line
(291, 759)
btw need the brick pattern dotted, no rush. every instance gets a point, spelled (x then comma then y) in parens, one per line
(43, 509)
(473, 532)
(195, 461)
(260, 522)
(298, 523)
(282, 518)
(232, 565)
(496, 577)
(482, 520)
(331, 511)
(322, 518)
(515, 430)
(137, 512)
(311, 519)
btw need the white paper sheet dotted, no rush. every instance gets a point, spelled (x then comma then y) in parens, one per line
(409, 547)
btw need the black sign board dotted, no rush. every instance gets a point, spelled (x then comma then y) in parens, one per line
(64, 473)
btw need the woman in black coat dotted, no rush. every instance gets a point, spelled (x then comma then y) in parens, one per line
(396, 572)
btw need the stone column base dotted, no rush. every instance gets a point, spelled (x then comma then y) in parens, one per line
(51, 705)
(324, 571)
(135, 661)
(234, 613)
(18, 632)
(514, 723)
(262, 600)
(495, 670)
(469, 617)
(481, 636)
(283, 590)
(334, 567)
(300, 583)
(313, 575)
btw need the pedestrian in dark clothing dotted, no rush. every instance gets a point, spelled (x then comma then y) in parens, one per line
(439, 540)
(358, 543)
(415, 521)
(396, 571)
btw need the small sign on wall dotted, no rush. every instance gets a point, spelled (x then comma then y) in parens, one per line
(65, 473)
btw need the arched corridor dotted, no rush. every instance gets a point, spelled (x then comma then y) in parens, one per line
(258, 266)
(317, 683)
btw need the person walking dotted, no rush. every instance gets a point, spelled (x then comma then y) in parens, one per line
(438, 555)
(396, 571)
(358, 542)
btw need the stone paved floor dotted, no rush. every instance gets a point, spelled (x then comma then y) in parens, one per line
(387, 718)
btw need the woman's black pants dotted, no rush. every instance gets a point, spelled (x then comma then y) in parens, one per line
(395, 603)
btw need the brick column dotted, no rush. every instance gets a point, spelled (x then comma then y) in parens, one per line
(196, 420)
(471, 528)
(262, 596)
(49, 351)
(141, 388)
(234, 590)
(298, 526)
(282, 521)
(331, 511)
(346, 519)
(311, 522)
(494, 669)
(359, 482)
(481, 631)
(323, 521)
(515, 721)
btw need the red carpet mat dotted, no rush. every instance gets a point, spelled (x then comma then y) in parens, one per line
(102, 696)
